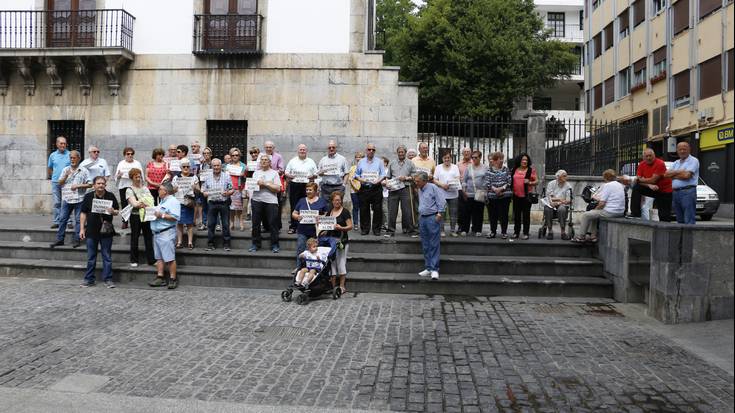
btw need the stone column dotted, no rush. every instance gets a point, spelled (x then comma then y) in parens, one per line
(536, 141)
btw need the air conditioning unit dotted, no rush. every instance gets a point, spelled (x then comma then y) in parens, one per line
(707, 113)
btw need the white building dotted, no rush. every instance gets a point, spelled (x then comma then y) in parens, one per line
(149, 73)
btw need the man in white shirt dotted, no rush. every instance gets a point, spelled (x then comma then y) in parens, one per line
(610, 203)
(265, 204)
(95, 165)
(300, 170)
(332, 170)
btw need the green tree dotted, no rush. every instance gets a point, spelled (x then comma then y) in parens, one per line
(476, 57)
(391, 21)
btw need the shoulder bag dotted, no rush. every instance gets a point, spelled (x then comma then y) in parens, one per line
(532, 196)
(480, 194)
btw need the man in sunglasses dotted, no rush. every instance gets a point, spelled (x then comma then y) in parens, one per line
(332, 169)
(95, 165)
(370, 173)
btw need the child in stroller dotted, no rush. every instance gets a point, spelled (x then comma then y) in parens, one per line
(313, 277)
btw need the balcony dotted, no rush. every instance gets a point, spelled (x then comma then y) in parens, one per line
(227, 34)
(571, 33)
(82, 39)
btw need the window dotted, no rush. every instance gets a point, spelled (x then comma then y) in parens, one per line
(608, 36)
(598, 96)
(581, 20)
(596, 4)
(658, 71)
(659, 120)
(658, 5)
(597, 45)
(639, 73)
(681, 16)
(578, 52)
(624, 81)
(710, 77)
(730, 67)
(706, 7)
(556, 24)
(623, 20)
(681, 89)
(639, 12)
(610, 90)
(225, 134)
(542, 103)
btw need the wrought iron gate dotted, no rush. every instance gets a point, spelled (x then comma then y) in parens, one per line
(225, 134)
(72, 130)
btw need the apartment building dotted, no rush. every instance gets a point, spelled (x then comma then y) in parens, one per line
(149, 73)
(668, 63)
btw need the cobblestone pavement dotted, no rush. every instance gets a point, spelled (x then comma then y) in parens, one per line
(413, 353)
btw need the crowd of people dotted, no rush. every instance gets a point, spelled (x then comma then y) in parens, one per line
(180, 189)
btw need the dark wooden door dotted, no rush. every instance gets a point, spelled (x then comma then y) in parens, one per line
(230, 24)
(71, 23)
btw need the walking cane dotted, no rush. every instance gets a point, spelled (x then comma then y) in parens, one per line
(413, 215)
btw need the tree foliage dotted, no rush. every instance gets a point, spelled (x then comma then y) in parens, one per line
(472, 57)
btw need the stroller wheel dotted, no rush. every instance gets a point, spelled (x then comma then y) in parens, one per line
(302, 299)
(286, 295)
(336, 293)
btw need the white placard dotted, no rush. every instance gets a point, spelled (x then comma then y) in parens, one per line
(326, 223)
(206, 175)
(331, 170)
(252, 166)
(251, 185)
(68, 195)
(174, 165)
(100, 206)
(235, 170)
(454, 184)
(394, 184)
(308, 216)
(215, 192)
(425, 170)
(125, 212)
(300, 177)
(183, 183)
(150, 214)
(371, 177)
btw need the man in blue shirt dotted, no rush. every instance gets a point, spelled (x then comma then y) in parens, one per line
(168, 213)
(684, 174)
(57, 161)
(431, 205)
(370, 172)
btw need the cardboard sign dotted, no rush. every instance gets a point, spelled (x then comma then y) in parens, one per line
(206, 175)
(326, 223)
(235, 170)
(183, 183)
(331, 170)
(251, 185)
(371, 177)
(308, 216)
(174, 165)
(150, 214)
(100, 206)
(300, 177)
(394, 184)
(68, 195)
(125, 212)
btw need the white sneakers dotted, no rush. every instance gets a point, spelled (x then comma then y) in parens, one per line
(435, 275)
(425, 273)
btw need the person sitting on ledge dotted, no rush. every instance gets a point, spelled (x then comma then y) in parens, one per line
(610, 203)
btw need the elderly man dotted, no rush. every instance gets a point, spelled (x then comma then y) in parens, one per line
(278, 165)
(170, 155)
(558, 198)
(685, 176)
(91, 224)
(74, 182)
(95, 165)
(217, 190)
(57, 161)
(370, 172)
(651, 182)
(610, 203)
(163, 227)
(300, 170)
(431, 206)
(400, 190)
(423, 162)
(332, 169)
(265, 204)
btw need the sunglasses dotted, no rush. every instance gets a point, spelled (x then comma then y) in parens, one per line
(235, 154)
(129, 153)
(185, 166)
(94, 151)
(371, 150)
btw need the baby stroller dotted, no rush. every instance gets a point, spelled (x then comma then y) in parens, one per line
(322, 284)
(587, 193)
(543, 230)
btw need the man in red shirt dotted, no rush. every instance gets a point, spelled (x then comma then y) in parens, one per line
(652, 183)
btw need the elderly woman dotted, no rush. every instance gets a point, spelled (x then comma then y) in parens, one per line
(238, 183)
(610, 203)
(497, 183)
(122, 176)
(354, 186)
(74, 182)
(311, 202)
(155, 171)
(300, 170)
(474, 194)
(186, 185)
(558, 198)
(524, 181)
(140, 197)
(447, 177)
(340, 233)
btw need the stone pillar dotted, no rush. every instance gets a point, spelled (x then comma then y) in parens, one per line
(536, 142)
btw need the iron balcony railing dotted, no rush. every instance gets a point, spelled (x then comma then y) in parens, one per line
(43, 29)
(227, 33)
(565, 32)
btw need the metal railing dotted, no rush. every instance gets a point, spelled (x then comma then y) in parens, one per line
(39, 29)
(565, 32)
(589, 148)
(487, 135)
(227, 33)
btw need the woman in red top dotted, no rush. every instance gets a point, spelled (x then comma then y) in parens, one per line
(155, 171)
(524, 181)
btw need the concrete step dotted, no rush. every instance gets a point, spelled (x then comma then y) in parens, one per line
(408, 283)
(400, 244)
(371, 262)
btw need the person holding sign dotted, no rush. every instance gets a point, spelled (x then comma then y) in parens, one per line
(340, 233)
(204, 172)
(139, 197)
(332, 170)
(423, 162)
(95, 165)
(57, 161)
(354, 186)
(305, 214)
(217, 189)
(265, 204)
(431, 207)
(446, 177)
(185, 186)
(97, 231)
(399, 184)
(167, 214)
(122, 177)
(370, 173)
(498, 186)
(236, 169)
(474, 196)
(299, 171)
(74, 182)
(174, 165)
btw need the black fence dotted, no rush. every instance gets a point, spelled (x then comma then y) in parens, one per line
(585, 148)
(223, 34)
(29, 29)
(487, 135)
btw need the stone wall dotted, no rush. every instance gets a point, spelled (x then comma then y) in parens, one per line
(167, 99)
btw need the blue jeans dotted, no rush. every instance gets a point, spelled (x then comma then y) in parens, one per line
(105, 245)
(430, 234)
(56, 197)
(300, 246)
(685, 206)
(66, 210)
(355, 210)
(218, 212)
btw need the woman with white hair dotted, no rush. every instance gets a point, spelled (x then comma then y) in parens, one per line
(558, 198)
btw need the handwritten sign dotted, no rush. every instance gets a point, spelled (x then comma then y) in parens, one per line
(371, 177)
(150, 214)
(174, 165)
(183, 183)
(215, 192)
(454, 184)
(331, 170)
(251, 185)
(308, 216)
(235, 170)
(394, 184)
(300, 177)
(125, 212)
(68, 195)
(427, 171)
(100, 206)
(326, 223)
(252, 166)
(206, 175)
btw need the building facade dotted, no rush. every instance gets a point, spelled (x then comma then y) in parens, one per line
(668, 63)
(147, 74)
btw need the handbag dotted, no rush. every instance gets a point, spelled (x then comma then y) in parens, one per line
(531, 196)
(480, 194)
(106, 228)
